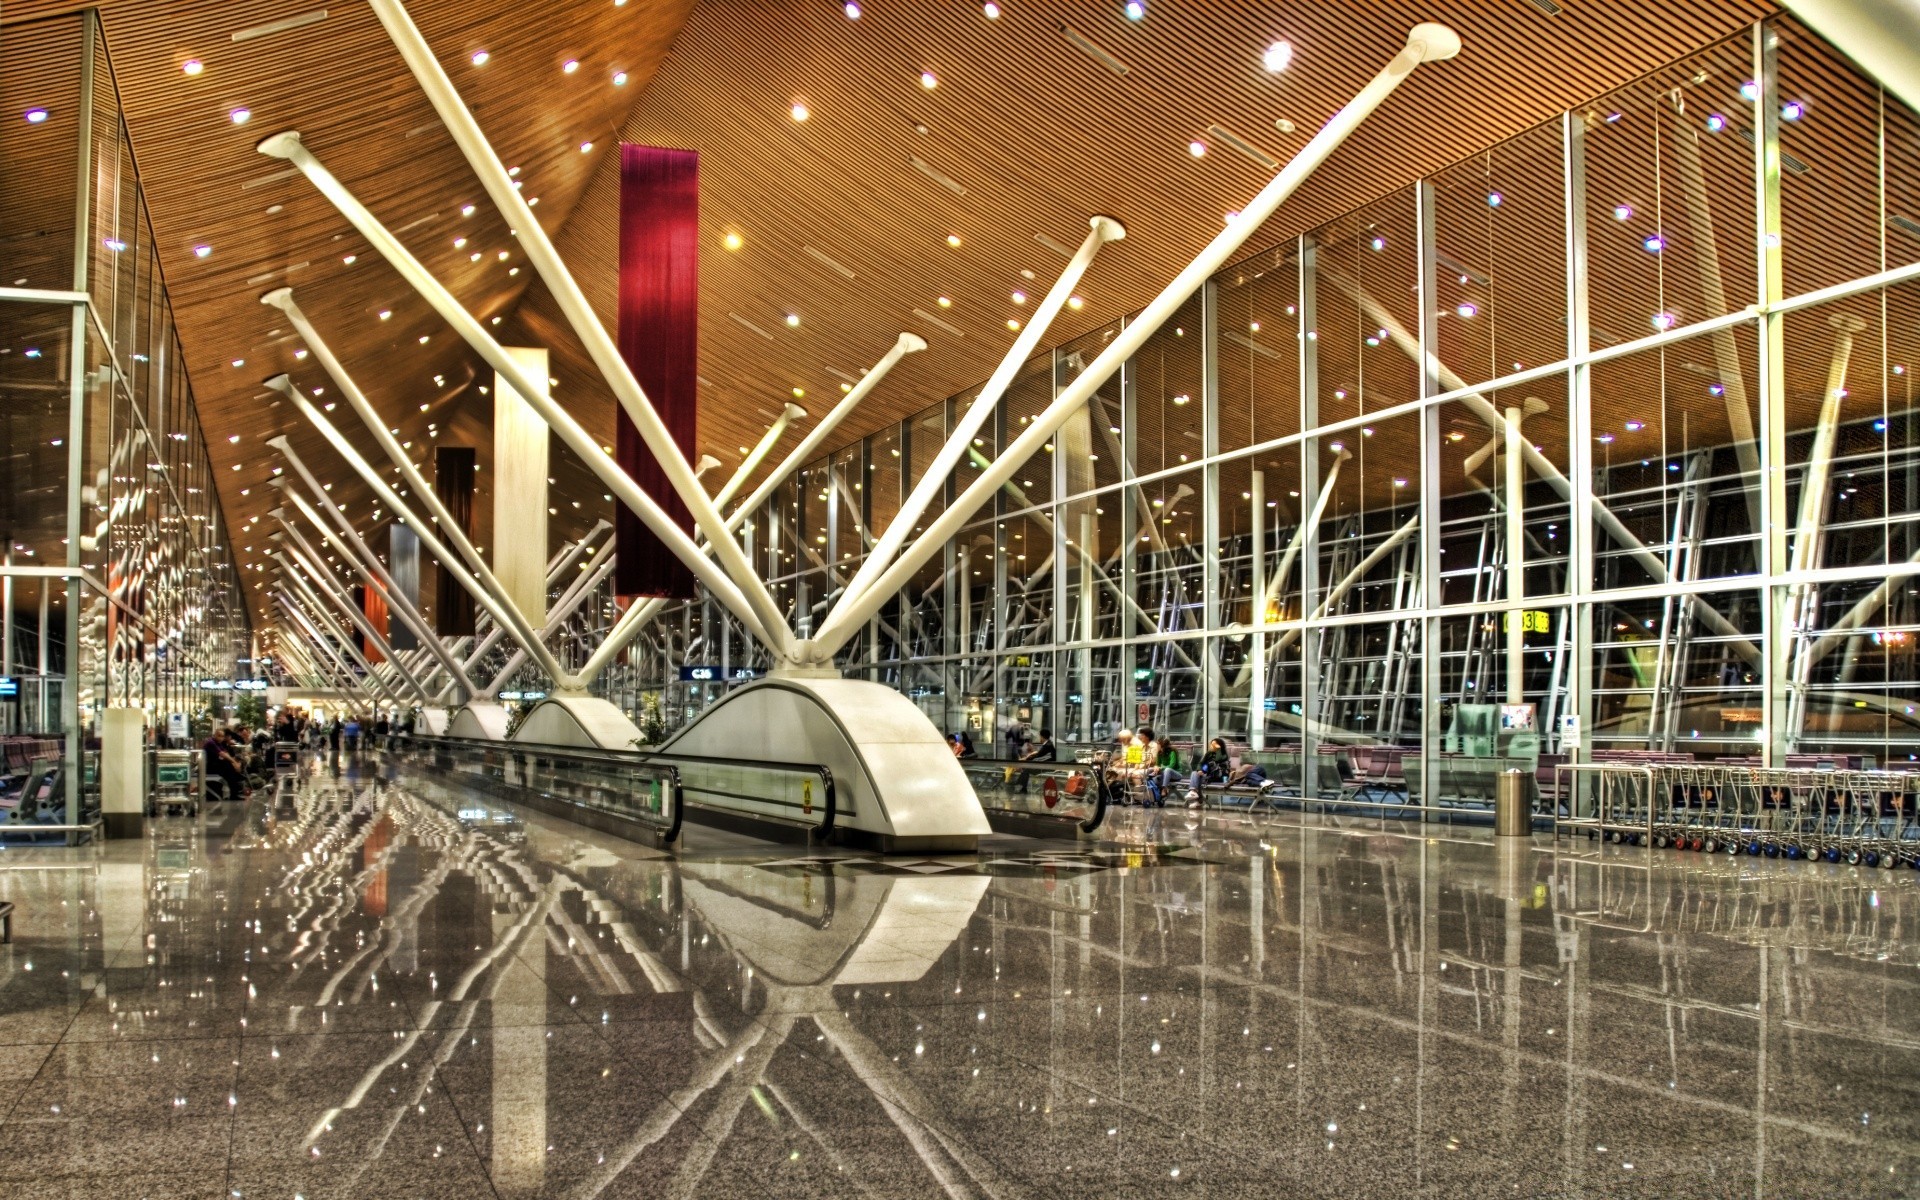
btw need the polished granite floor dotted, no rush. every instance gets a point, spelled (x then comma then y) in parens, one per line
(375, 986)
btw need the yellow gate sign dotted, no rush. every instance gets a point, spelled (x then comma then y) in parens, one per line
(1533, 620)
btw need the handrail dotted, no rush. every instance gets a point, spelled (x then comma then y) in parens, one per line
(669, 762)
(676, 792)
(829, 808)
(1041, 766)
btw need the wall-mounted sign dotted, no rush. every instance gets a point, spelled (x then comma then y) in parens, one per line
(717, 675)
(523, 695)
(232, 685)
(9, 686)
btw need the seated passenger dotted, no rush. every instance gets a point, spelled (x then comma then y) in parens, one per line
(1214, 767)
(962, 743)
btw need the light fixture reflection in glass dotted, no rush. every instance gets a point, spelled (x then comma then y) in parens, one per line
(1792, 110)
(1716, 123)
(1623, 212)
(1494, 199)
(1465, 310)
(1655, 244)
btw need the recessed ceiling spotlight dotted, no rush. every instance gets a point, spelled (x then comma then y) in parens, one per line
(466, 210)
(1716, 123)
(459, 243)
(1197, 149)
(502, 256)
(619, 79)
(585, 147)
(1467, 310)
(474, 257)
(350, 259)
(480, 58)
(1019, 297)
(424, 337)
(1284, 125)
(991, 9)
(928, 80)
(1664, 321)
(202, 251)
(731, 241)
(1655, 244)
(240, 116)
(513, 172)
(1494, 199)
(1278, 56)
(193, 66)
(1076, 302)
(385, 313)
(1135, 10)
(233, 439)
(570, 66)
(852, 10)
(799, 393)
(1623, 212)
(799, 112)
(37, 116)
(1012, 324)
(953, 240)
(239, 362)
(946, 302)
(1379, 243)
(1750, 90)
(532, 200)
(1792, 110)
(793, 320)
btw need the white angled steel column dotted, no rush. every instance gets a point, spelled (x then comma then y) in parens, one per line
(788, 415)
(520, 489)
(333, 628)
(933, 481)
(903, 345)
(304, 554)
(568, 297)
(350, 544)
(487, 597)
(1426, 42)
(741, 599)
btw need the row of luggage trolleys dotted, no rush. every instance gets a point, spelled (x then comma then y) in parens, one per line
(1867, 818)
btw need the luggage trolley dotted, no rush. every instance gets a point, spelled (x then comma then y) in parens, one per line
(176, 789)
(286, 757)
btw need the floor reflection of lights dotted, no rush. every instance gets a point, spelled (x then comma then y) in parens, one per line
(370, 983)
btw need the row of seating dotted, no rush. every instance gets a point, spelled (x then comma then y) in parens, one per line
(19, 751)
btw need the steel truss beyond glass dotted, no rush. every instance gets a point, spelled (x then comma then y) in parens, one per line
(1613, 420)
(117, 586)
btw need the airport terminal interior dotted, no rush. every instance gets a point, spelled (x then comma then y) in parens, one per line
(907, 598)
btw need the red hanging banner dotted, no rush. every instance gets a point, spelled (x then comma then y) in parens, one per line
(659, 338)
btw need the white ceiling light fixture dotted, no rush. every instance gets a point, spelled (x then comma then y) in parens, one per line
(1278, 57)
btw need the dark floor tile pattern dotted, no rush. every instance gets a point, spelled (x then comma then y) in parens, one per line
(372, 986)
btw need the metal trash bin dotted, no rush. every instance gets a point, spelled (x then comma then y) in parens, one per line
(1513, 803)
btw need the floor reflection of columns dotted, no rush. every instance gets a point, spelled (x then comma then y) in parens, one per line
(520, 1066)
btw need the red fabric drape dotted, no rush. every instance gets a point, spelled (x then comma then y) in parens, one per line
(659, 338)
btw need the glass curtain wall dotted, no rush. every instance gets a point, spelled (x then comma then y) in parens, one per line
(117, 587)
(1598, 445)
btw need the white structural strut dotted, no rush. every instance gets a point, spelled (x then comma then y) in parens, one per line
(933, 481)
(568, 604)
(317, 617)
(573, 304)
(1425, 43)
(788, 415)
(324, 654)
(707, 463)
(718, 583)
(301, 552)
(556, 567)
(449, 562)
(348, 542)
(282, 299)
(905, 344)
(634, 620)
(475, 576)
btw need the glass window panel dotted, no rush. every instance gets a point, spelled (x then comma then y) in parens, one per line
(35, 407)
(1365, 331)
(1367, 688)
(1855, 678)
(1367, 544)
(1670, 196)
(1027, 602)
(1474, 484)
(1027, 397)
(1678, 674)
(39, 160)
(1092, 438)
(1165, 377)
(1830, 202)
(1259, 354)
(1168, 553)
(1500, 273)
(1859, 438)
(1675, 479)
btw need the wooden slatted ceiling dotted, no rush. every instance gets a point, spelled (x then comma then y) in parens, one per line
(342, 84)
(1040, 136)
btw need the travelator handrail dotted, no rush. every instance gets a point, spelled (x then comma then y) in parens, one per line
(674, 796)
(1063, 769)
(671, 764)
